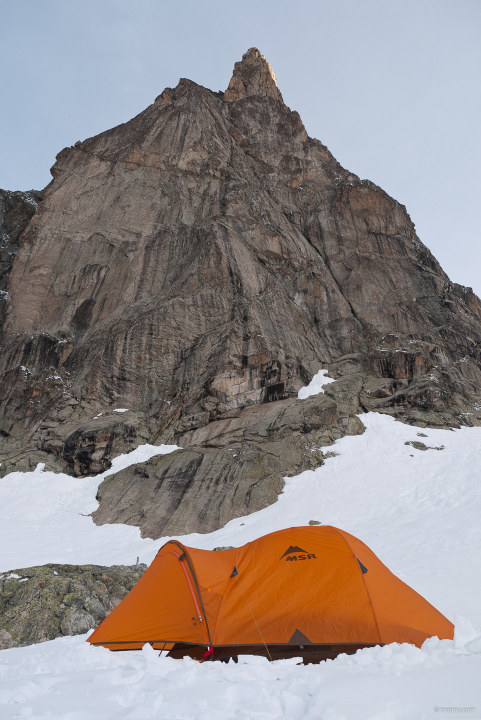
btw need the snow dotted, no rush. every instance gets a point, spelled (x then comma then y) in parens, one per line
(474, 645)
(67, 678)
(315, 386)
(121, 410)
(463, 632)
(418, 510)
(45, 518)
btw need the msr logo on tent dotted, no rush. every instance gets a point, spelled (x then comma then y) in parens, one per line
(289, 554)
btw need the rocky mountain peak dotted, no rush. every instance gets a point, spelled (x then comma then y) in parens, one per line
(253, 76)
(184, 275)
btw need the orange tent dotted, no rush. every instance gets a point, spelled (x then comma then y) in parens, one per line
(309, 591)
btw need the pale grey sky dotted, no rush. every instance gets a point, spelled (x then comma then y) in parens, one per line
(392, 87)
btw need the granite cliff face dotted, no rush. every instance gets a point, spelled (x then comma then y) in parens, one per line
(197, 266)
(16, 210)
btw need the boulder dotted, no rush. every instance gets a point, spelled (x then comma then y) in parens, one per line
(48, 601)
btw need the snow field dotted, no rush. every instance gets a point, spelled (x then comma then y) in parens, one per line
(69, 679)
(45, 518)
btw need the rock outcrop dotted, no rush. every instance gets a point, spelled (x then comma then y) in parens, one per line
(204, 260)
(227, 469)
(16, 211)
(48, 601)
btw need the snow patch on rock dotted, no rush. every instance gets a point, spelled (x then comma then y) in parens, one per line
(315, 386)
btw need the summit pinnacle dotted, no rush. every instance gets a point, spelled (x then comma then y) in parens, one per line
(253, 76)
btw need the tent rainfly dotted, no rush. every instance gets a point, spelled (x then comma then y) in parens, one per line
(307, 591)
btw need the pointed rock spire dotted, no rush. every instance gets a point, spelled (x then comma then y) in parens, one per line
(252, 76)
